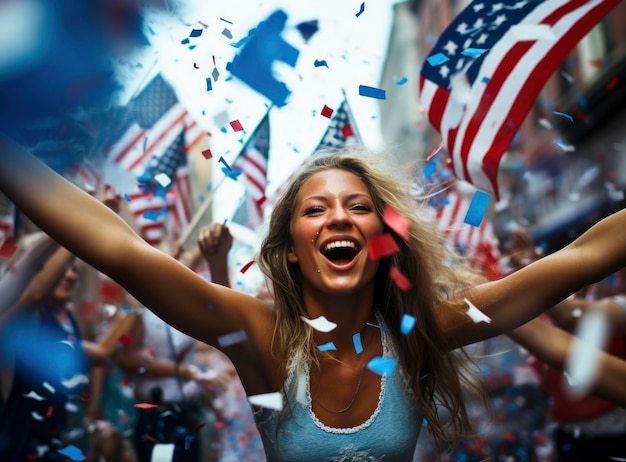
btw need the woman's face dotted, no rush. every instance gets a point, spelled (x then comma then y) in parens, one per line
(333, 220)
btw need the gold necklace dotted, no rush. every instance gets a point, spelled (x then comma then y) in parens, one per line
(356, 391)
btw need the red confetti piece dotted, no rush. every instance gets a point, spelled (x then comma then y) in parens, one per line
(236, 125)
(50, 411)
(382, 246)
(85, 396)
(125, 381)
(396, 221)
(246, 267)
(346, 131)
(145, 406)
(152, 438)
(199, 427)
(125, 339)
(7, 249)
(613, 83)
(400, 279)
(327, 112)
(195, 66)
(207, 154)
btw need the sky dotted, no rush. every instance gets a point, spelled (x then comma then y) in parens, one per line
(352, 46)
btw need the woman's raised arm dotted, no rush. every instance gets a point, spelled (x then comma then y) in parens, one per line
(97, 235)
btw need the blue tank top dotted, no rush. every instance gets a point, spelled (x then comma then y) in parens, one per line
(389, 434)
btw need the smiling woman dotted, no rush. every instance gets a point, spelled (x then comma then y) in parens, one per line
(339, 389)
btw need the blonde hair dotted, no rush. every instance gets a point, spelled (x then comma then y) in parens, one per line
(435, 375)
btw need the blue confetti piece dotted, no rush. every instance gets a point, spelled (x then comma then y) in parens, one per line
(382, 366)
(127, 198)
(402, 81)
(477, 208)
(562, 114)
(320, 63)
(581, 100)
(232, 173)
(330, 346)
(485, 79)
(356, 340)
(473, 52)
(226, 20)
(429, 169)
(195, 33)
(407, 324)
(72, 452)
(238, 44)
(209, 85)
(361, 10)
(184, 41)
(253, 64)
(308, 29)
(378, 326)
(372, 92)
(223, 161)
(437, 59)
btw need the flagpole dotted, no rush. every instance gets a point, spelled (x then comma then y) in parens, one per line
(355, 128)
(194, 224)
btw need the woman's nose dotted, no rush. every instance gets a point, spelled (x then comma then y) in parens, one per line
(339, 217)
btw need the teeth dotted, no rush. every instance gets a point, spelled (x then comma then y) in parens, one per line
(338, 244)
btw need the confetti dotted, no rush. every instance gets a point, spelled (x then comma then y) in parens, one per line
(562, 114)
(163, 179)
(209, 84)
(437, 59)
(267, 400)
(372, 92)
(382, 246)
(307, 29)
(145, 406)
(320, 324)
(330, 346)
(407, 324)
(125, 339)
(346, 131)
(195, 33)
(477, 208)
(473, 52)
(400, 279)
(356, 341)
(232, 338)
(246, 267)
(72, 452)
(327, 112)
(207, 154)
(254, 63)
(227, 33)
(402, 81)
(396, 221)
(361, 10)
(36, 416)
(162, 452)
(612, 83)
(474, 313)
(582, 363)
(236, 126)
(33, 395)
(49, 387)
(382, 366)
(320, 63)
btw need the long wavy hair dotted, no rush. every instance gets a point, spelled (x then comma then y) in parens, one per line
(437, 376)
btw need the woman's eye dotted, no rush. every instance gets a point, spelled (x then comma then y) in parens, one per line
(313, 209)
(361, 208)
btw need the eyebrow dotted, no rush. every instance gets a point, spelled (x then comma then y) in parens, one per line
(349, 197)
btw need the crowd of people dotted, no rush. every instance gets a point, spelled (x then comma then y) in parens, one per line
(181, 355)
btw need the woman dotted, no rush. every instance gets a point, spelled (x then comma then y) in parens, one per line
(316, 256)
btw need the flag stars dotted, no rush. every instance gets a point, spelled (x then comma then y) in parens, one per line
(482, 39)
(451, 48)
(501, 19)
(479, 7)
(444, 71)
(480, 22)
(462, 28)
(520, 5)
(496, 7)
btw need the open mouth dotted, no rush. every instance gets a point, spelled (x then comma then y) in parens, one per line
(340, 252)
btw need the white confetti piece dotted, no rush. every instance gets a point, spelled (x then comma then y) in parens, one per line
(162, 453)
(232, 338)
(582, 363)
(301, 387)
(36, 416)
(474, 313)
(163, 179)
(49, 387)
(320, 324)
(77, 379)
(34, 395)
(268, 400)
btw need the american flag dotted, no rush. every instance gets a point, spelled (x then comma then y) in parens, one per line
(341, 131)
(487, 68)
(157, 133)
(252, 162)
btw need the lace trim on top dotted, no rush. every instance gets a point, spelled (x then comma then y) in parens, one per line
(348, 430)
